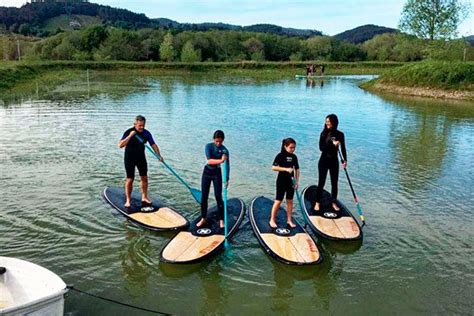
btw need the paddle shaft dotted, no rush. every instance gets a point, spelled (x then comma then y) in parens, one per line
(359, 210)
(170, 169)
(224, 193)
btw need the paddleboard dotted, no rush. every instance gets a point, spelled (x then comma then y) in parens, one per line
(156, 216)
(199, 243)
(330, 224)
(304, 76)
(287, 245)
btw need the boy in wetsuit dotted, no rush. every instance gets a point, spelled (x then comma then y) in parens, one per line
(135, 157)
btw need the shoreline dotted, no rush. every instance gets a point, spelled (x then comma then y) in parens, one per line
(425, 92)
(13, 74)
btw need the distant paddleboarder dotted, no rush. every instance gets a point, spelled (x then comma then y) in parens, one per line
(329, 141)
(135, 157)
(286, 164)
(216, 155)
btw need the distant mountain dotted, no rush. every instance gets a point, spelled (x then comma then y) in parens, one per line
(363, 33)
(259, 28)
(33, 16)
(470, 39)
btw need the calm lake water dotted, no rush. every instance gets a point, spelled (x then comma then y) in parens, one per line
(410, 162)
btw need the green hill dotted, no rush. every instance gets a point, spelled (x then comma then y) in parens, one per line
(70, 22)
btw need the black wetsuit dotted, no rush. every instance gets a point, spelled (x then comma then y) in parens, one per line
(284, 182)
(213, 173)
(329, 161)
(135, 153)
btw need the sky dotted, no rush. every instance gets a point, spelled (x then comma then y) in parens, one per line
(328, 16)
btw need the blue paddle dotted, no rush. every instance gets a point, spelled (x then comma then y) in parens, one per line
(298, 196)
(194, 192)
(359, 209)
(224, 194)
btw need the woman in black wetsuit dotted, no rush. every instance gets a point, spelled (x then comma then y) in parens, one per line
(286, 163)
(329, 141)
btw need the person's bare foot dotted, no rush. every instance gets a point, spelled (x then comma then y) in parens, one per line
(221, 223)
(291, 224)
(317, 207)
(272, 224)
(335, 207)
(146, 201)
(127, 204)
(201, 222)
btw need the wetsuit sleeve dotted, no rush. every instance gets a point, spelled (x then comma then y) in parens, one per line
(208, 152)
(296, 164)
(125, 135)
(277, 160)
(343, 147)
(149, 137)
(323, 143)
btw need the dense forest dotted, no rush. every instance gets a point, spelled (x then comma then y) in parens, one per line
(30, 20)
(119, 34)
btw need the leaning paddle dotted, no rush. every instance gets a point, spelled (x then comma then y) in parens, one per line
(298, 196)
(224, 195)
(194, 192)
(359, 210)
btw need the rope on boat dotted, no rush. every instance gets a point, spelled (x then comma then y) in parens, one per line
(72, 288)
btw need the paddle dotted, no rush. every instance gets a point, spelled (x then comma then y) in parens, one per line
(359, 210)
(224, 195)
(298, 196)
(194, 192)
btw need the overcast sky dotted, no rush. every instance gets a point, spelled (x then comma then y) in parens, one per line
(329, 16)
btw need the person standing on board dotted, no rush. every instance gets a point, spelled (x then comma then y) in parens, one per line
(286, 163)
(135, 157)
(329, 141)
(216, 155)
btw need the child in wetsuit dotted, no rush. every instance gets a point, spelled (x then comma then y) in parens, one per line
(216, 155)
(286, 163)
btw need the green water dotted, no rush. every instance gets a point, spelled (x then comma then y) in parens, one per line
(410, 161)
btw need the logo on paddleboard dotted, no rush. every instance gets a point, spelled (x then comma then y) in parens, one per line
(330, 214)
(204, 231)
(282, 231)
(147, 209)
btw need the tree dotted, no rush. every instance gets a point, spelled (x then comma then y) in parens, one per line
(189, 54)
(433, 19)
(167, 52)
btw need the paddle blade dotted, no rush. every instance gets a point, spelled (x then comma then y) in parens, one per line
(197, 195)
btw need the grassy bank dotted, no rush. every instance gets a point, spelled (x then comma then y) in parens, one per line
(13, 73)
(431, 79)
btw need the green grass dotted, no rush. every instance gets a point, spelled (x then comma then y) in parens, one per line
(430, 74)
(62, 22)
(13, 73)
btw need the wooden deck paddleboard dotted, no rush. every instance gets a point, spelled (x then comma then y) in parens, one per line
(156, 216)
(288, 245)
(330, 224)
(199, 243)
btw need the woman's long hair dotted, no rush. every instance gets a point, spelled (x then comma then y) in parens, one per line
(334, 121)
(286, 142)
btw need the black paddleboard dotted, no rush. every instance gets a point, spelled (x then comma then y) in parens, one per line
(156, 216)
(199, 243)
(285, 244)
(328, 223)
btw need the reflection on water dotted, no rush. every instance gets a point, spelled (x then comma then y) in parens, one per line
(409, 160)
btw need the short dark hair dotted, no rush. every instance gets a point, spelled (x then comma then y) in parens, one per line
(219, 134)
(140, 118)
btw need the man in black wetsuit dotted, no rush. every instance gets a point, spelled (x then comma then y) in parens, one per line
(135, 157)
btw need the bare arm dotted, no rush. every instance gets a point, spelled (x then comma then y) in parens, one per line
(156, 149)
(213, 162)
(125, 141)
(282, 169)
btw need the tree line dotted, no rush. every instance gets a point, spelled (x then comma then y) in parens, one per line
(103, 43)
